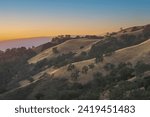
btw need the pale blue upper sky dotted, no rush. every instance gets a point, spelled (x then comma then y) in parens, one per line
(70, 16)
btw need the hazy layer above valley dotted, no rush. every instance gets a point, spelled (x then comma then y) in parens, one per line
(25, 42)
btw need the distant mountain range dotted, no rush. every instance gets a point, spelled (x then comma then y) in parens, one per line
(24, 42)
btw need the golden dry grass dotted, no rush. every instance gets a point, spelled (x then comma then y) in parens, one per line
(64, 48)
(130, 54)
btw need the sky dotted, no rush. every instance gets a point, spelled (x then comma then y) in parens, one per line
(34, 18)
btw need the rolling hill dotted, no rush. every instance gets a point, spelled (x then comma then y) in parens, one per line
(116, 66)
(75, 46)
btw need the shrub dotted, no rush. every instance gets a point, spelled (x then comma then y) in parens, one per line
(75, 74)
(85, 69)
(141, 67)
(55, 50)
(81, 47)
(99, 59)
(70, 67)
(91, 66)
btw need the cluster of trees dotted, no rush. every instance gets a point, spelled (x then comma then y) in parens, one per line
(140, 68)
(116, 82)
(111, 44)
(75, 73)
(146, 31)
(55, 41)
(105, 46)
(62, 38)
(57, 62)
(16, 53)
(13, 63)
(93, 37)
(99, 58)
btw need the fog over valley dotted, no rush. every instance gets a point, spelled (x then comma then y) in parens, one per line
(26, 42)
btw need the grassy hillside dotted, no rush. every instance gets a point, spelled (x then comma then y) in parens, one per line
(130, 54)
(75, 46)
(44, 84)
(115, 66)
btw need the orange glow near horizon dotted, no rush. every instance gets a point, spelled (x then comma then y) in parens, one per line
(28, 34)
(26, 28)
(32, 29)
(35, 29)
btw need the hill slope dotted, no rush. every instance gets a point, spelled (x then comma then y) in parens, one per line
(132, 54)
(140, 52)
(116, 66)
(75, 46)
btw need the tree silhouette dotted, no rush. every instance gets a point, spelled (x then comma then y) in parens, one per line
(55, 50)
(85, 69)
(70, 67)
(99, 58)
(91, 66)
(75, 74)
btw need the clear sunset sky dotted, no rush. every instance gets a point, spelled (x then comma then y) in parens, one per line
(33, 18)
